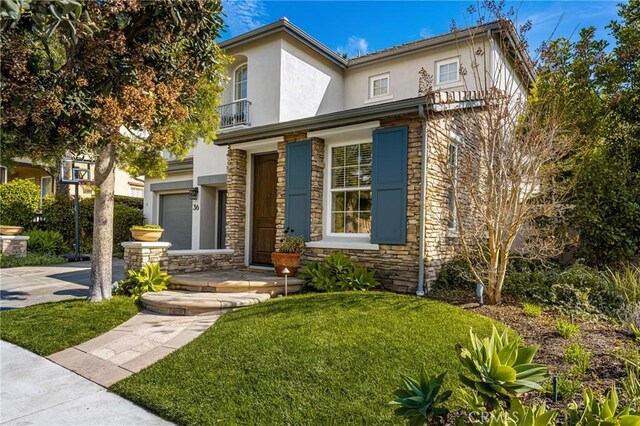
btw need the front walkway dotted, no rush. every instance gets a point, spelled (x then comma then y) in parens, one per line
(37, 391)
(29, 285)
(132, 346)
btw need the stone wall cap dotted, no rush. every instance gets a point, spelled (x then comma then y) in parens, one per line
(144, 244)
(14, 237)
(199, 252)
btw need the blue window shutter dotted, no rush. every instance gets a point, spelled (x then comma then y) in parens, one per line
(389, 186)
(297, 212)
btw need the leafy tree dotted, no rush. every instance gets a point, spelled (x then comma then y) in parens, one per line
(118, 80)
(600, 93)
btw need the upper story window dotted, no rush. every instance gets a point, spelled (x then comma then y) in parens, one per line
(240, 83)
(350, 177)
(379, 85)
(447, 71)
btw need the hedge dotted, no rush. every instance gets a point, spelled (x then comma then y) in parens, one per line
(19, 202)
(58, 214)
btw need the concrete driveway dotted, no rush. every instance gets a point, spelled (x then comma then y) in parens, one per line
(29, 285)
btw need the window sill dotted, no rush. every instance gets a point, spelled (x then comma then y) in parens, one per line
(378, 99)
(353, 243)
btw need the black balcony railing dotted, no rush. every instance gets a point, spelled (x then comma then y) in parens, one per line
(234, 114)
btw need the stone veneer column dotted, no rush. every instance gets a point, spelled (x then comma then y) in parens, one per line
(14, 245)
(236, 204)
(138, 253)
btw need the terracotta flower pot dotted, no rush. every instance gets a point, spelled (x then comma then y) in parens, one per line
(146, 235)
(10, 230)
(291, 261)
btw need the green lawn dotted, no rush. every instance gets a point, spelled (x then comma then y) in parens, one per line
(51, 327)
(329, 359)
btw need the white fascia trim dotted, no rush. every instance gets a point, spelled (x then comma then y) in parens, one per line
(258, 144)
(344, 243)
(370, 125)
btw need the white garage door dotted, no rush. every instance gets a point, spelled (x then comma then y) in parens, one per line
(175, 218)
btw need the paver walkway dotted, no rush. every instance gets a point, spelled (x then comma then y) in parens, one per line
(29, 285)
(36, 391)
(132, 346)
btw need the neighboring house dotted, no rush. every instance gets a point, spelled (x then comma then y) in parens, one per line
(24, 168)
(329, 147)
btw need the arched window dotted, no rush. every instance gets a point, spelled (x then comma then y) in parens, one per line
(240, 81)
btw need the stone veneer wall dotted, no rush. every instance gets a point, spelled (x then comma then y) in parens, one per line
(397, 265)
(236, 204)
(186, 263)
(138, 254)
(14, 245)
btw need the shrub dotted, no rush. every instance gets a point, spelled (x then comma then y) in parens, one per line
(420, 401)
(627, 282)
(57, 212)
(149, 278)
(629, 314)
(46, 242)
(567, 329)
(577, 355)
(501, 368)
(31, 259)
(147, 226)
(293, 244)
(337, 273)
(19, 202)
(135, 202)
(531, 310)
(455, 275)
(631, 384)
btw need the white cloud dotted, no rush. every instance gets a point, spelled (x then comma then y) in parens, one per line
(355, 46)
(426, 32)
(244, 15)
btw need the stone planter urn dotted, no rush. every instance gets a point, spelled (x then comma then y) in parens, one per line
(291, 261)
(10, 230)
(146, 234)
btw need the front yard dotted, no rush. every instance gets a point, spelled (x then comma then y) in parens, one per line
(332, 358)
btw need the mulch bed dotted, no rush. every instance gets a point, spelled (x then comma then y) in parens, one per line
(606, 340)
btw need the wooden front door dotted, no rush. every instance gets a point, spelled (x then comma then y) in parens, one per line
(264, 208)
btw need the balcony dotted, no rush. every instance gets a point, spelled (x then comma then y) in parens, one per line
(234, 114)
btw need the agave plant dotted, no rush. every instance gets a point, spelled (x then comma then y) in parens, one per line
(520, 415)
(600, 412)
(419, 400)
(501, 368)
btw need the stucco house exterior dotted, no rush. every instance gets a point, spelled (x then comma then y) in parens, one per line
(336, 149)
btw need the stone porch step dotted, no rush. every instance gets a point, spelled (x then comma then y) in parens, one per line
(175, 302)
(235, 282)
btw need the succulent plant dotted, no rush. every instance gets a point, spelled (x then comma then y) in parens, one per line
(419, 400)
(500, 368)
(600, 412)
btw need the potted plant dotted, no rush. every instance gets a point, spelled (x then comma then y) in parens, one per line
(288, 255)
(147, 233)
(10, 230)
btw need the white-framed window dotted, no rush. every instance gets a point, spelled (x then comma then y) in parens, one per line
(3, 174)
(136, 191)
(447, 71)
(350, 188)
(451, 195)
(378, 85)
(46, 187)
(240, 83)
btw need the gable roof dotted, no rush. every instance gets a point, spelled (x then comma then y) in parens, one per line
(506, 28)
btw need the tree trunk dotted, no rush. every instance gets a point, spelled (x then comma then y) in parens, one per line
(101, 262)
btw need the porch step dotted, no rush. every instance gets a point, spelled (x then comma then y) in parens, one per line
(172, 302)
(235, 282)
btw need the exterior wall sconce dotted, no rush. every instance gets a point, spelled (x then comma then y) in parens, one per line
(193, 193)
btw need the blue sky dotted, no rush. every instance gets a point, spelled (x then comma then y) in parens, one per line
(367, 26)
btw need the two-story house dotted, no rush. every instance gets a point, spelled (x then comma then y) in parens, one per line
(335, 149)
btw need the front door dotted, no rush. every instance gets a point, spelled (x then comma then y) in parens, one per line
(264, 208)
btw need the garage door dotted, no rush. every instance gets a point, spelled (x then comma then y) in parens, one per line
(175, 218)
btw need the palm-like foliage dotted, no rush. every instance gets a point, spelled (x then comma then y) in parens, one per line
(600, 412)
(419, 400)
(149, 278)
(501, 369)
